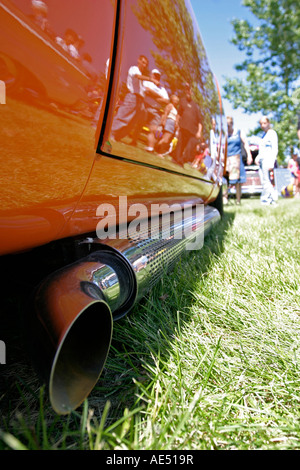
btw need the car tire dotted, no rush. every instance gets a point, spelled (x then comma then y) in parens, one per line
(218, 202)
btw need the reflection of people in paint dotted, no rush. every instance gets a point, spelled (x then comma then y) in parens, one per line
(207, 155)
(78, 45)
(156, 96)
(68, 43)
(168, 125)
(214, 146)
(40, 16)
(190, 128)
(202, 158)
(213, 140)
(131, 111)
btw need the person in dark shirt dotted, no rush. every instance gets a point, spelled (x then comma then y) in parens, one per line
(190, 128)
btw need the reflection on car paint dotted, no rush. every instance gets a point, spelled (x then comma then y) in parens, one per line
(55, 60)
(149, 81)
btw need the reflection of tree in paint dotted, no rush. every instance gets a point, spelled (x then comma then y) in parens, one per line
(180, 54)
(2, 93)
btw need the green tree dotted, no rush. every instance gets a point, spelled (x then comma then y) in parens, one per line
(271, 66)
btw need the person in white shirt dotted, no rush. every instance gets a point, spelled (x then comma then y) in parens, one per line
(68, 43)
(156, 97)
(266, 158)
(131, 112)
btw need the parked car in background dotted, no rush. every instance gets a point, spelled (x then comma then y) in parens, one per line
(71, 68)
(252, 186)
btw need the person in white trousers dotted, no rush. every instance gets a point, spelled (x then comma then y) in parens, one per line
(268, 151)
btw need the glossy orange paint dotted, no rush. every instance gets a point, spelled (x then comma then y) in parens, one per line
(65, 67)
(46, 133)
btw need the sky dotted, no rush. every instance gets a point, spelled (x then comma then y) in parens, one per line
(214, 20)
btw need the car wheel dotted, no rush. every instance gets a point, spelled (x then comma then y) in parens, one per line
(218, 203)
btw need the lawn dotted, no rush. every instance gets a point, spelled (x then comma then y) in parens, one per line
(209, 360)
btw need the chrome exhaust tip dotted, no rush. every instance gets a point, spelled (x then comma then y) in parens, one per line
(80, 357)
(74, 323)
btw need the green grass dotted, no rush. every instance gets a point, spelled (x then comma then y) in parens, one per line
(209, 360)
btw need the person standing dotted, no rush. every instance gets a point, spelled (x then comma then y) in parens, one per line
(266, 158)
(156, 97)
(190, 128)
(131, 111)
(293, 166)
(235, 166)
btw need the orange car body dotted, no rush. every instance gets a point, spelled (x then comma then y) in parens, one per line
(107, 107)
(58, 161)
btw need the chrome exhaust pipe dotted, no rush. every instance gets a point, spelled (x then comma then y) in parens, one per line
(77, 305)
(152, 252)
(75, 323)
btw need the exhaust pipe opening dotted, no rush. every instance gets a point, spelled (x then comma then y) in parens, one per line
(80, 357)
